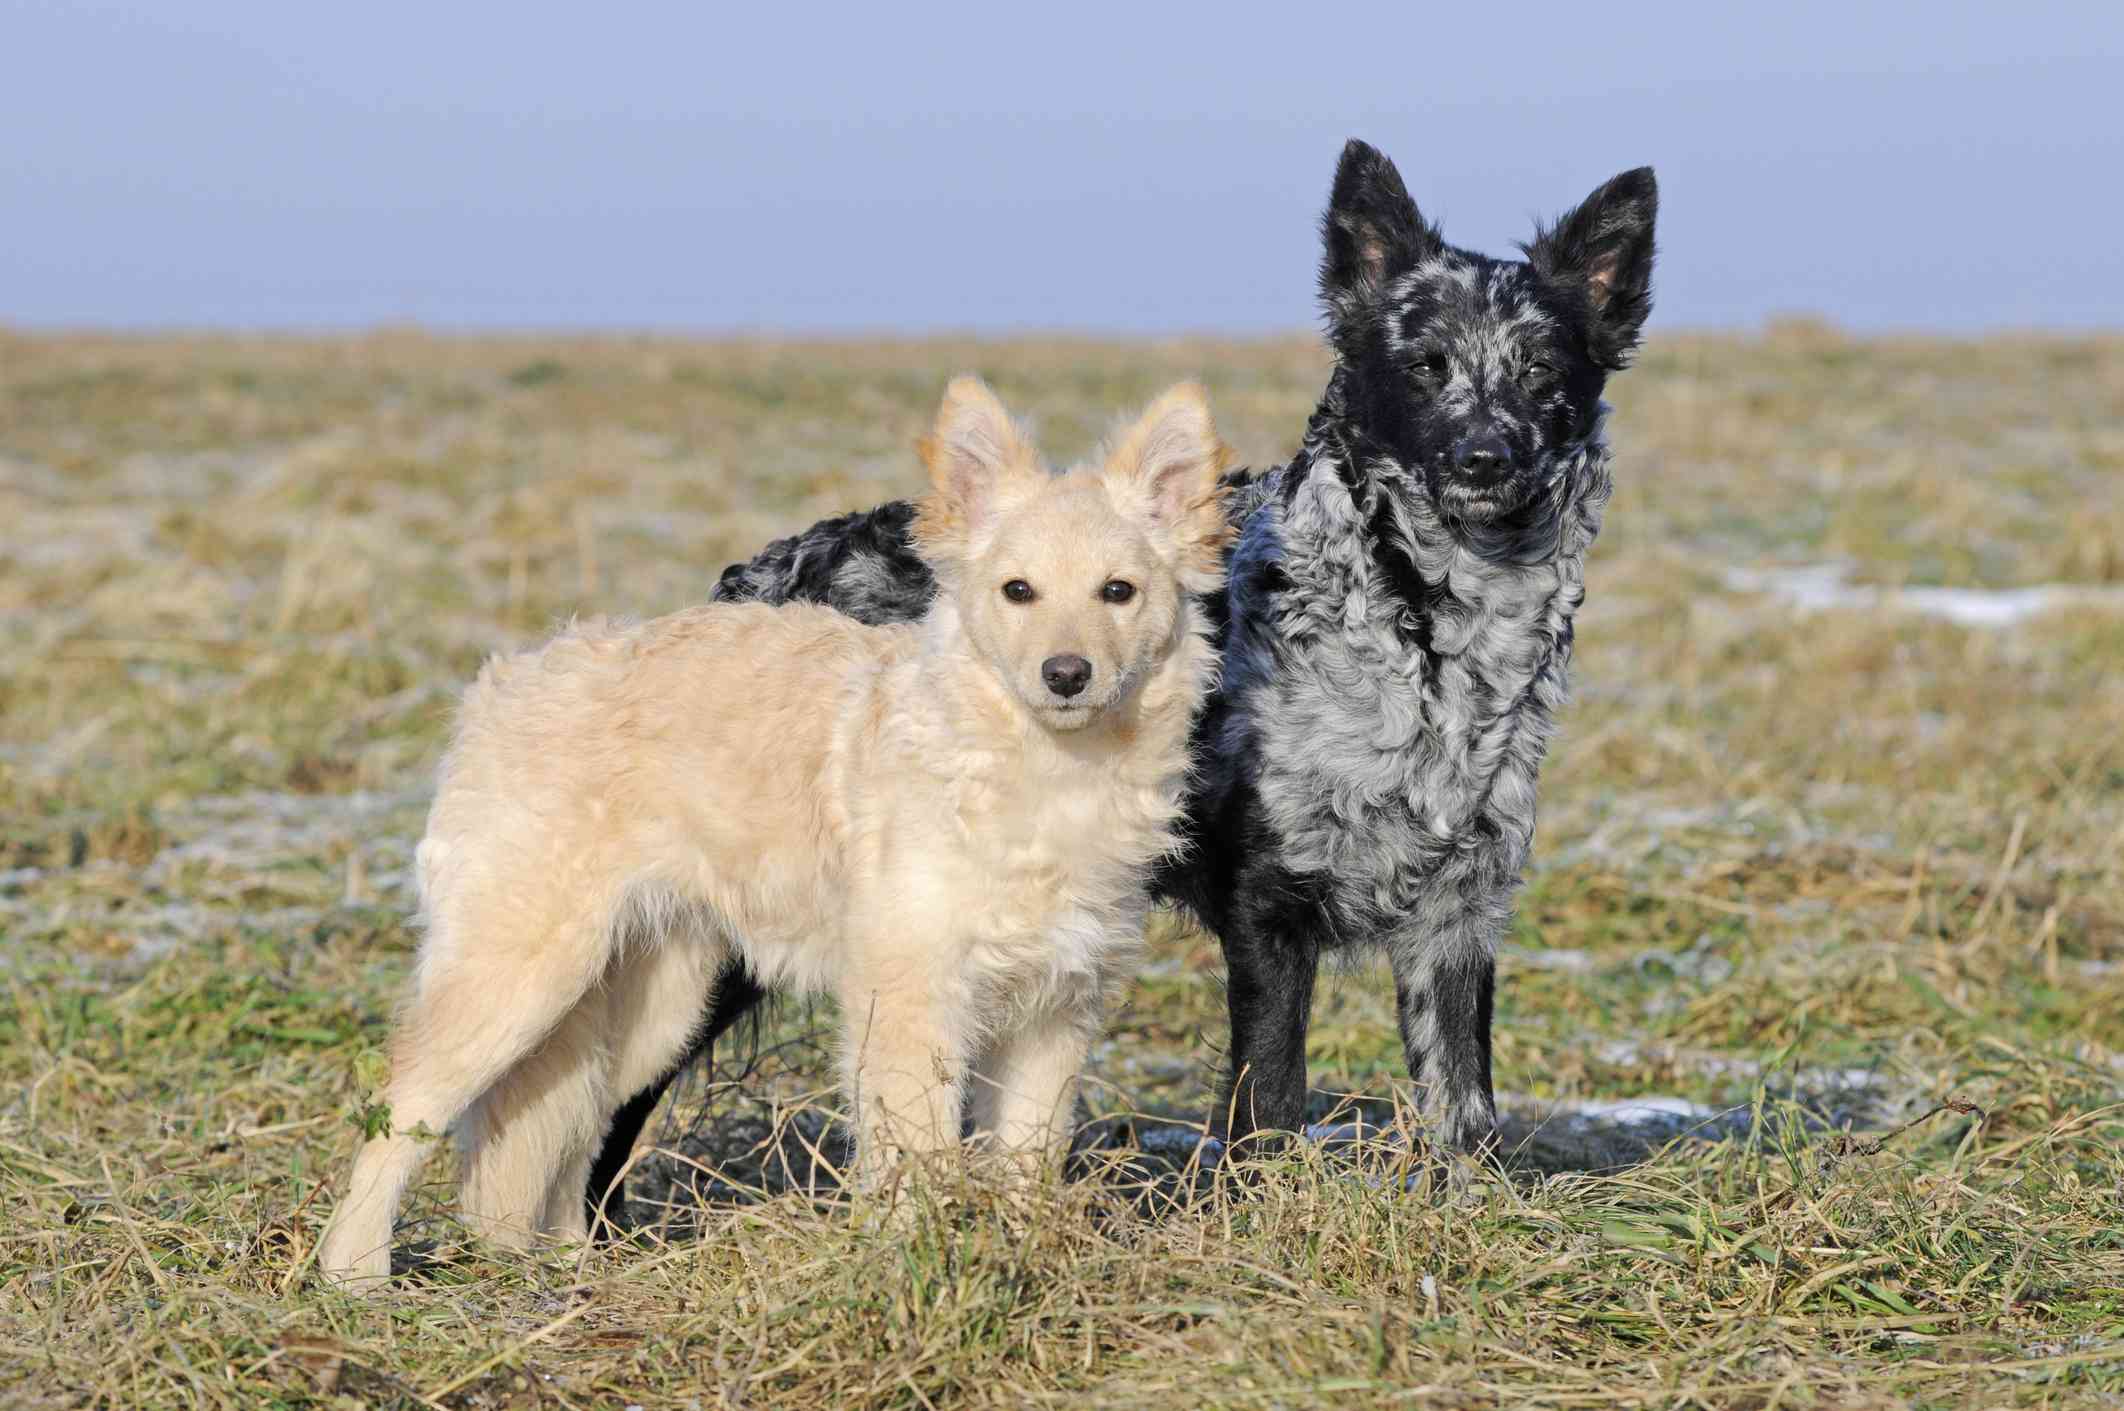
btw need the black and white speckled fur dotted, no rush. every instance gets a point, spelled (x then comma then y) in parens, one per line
(861, 564)
(1373, 758)
(1396, 633)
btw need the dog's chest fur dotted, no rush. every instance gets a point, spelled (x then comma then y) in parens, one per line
(1045, 840)
(1057, 857)
(1394, 683)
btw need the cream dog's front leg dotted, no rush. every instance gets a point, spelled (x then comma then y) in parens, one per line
(904, 1060)
(1025, 1087)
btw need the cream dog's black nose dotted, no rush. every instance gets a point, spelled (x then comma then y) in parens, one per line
(1065, 675)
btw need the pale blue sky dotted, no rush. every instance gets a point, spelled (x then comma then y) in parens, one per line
(1135, 169)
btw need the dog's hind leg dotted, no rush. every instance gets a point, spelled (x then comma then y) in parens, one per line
(736, 995)
(481, 1005)
(652, 1007)
(533, 1123)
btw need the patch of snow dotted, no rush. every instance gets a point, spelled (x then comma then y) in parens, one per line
(1823, 587)
(1569, 958)
(1633, 1110)
(1826, 1081)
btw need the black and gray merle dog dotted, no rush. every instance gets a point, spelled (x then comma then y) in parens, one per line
(1396, 634)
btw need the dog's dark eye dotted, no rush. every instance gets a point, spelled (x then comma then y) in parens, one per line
(1019, 591)
(1117, 591)
(1536, 372)
(1434, 366)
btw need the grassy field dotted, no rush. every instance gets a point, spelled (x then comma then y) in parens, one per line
(1811, 1031)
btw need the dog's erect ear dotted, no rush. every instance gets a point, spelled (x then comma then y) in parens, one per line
(1605, 248)
(1168, 466)
(1372, 231)
(974, 451)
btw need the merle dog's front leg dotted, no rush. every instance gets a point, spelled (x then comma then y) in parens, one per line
(1445, 984)
(1269, 988)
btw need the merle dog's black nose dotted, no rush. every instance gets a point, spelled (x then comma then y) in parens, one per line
(1065, 675)
(1482, 458)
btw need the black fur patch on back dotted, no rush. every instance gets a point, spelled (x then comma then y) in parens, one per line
(862, 564)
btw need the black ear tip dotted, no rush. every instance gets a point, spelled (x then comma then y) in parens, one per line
(1363, 165)
(1356, 151)
(1364, 176)
(1636, 184)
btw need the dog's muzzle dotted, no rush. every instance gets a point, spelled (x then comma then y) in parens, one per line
(1481, 461)
(1066, 676)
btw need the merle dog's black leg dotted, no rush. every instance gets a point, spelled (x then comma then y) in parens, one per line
(736, 993)
(1445, 996)
(1270, 993)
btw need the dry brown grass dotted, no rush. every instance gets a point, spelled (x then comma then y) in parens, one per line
(1825, 870)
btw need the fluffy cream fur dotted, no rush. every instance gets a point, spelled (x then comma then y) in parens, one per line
(906, 817)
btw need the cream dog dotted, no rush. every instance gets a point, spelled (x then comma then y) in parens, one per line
(947, 825)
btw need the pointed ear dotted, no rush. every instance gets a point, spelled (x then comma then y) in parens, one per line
(1604, 247)
(973, 452)
(1168, 467)
(1371, 232)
